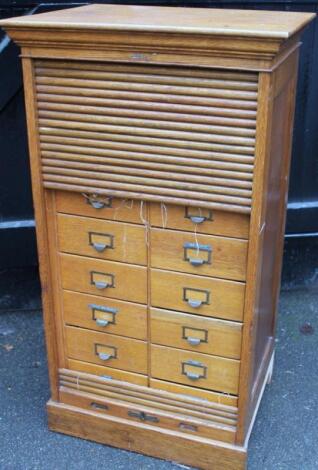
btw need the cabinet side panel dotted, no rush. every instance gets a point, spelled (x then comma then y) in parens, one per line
(41, 224)
(271, 261)
(273, 146)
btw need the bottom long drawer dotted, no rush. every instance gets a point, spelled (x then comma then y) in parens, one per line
(195, 369)
(140, 404)
(106, 349)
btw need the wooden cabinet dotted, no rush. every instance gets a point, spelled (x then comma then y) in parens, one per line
(160, 144)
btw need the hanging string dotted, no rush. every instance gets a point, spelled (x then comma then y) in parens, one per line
(145, 222)
(124, 203)
(129, 203)
(164, 215)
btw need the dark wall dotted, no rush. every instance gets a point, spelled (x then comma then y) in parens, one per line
(17, 243)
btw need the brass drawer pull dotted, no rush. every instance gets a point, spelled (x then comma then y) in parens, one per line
(108, 315)
(195, 303)
(143, 416)
(193, 341)
(101, 322)
(97, 204)
(105, 353)
(100, 285)
(99, 246)
(192, 251)
(195, 298)
(104, 356)
(102, 280)
(100, 241)
(198, 218)
(193, 376)
(194, 370)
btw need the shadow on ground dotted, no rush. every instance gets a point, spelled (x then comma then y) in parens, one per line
(285, 434)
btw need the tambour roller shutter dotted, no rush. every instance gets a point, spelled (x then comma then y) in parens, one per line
(175, 134)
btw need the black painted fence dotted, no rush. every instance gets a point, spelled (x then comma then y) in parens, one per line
(17, 242)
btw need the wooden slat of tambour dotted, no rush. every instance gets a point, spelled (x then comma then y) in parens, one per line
(152, 77)
(149, 181)
(141, 189)
(197, 407)
(152, 144)
(222, 116)
(159, 70)
(75, 157)
(163, 147)
(152, 97)
(198, 404)
(150, 119)
(183, 201)
(149, 173)
(239, 170)
(100, 144)
(156, 128)
(143, 144)
(158, 401)
(89, 387)
(150, 88)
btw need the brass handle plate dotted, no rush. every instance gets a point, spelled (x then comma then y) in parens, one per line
(98, 202)
(194, 336)
(105, 352)
(195, 298)
(194, 370)
(197, 254)
(103, 316)
(198, 215)
(100, 241)
(102, 280)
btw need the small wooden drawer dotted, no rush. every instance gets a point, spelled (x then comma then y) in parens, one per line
(200, 254)
(197, 294)
(195, 369)
(104, 278)
(102, 239)
(108, 372)
(105, 349)
(106, 315)
(204, 335)
(201, 220)
(100, 207)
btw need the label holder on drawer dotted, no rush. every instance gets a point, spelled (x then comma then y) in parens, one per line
(98, 202)
(194, 336)
(198, 216)
(104, 352)
(205, 250)
(194, 370)
(108, 314)
(101, 241)
(103, 281)
(200, 297)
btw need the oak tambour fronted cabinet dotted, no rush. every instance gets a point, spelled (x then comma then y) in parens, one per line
(160, 145)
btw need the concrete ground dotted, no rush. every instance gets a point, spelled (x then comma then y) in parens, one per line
(285, 435)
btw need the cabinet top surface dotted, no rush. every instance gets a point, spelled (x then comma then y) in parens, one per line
(248, 23)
